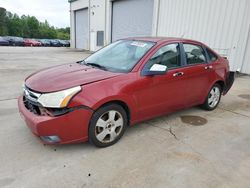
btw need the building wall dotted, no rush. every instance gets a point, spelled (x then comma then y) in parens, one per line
(221, 24)
(97, 22)
(75, 5)
(246, 57)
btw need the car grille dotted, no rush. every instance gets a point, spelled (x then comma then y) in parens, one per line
(31, 107)
(30, 101)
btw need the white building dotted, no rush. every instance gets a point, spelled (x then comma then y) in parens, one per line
(224, 25)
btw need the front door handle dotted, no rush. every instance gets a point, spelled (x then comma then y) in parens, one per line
(178, 74)
(208, 67)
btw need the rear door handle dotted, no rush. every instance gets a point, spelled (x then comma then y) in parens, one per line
(178, 74)
(208, 67)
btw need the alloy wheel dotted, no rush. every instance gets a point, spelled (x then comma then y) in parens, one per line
(109, 126)
(214, 97)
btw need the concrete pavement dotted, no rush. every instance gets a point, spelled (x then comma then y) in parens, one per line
(189, 148)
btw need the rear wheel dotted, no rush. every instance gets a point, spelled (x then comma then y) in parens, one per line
(213, 98)
(107, 125)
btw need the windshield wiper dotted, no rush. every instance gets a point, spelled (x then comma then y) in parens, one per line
(96, 65)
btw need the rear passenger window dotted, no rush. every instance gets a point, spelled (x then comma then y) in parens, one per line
(211, 55)
(194, 54)
(168, 55)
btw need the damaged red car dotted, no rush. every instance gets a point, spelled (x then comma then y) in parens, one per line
(124, 83)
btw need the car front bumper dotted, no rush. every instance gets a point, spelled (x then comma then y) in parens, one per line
(71, 127)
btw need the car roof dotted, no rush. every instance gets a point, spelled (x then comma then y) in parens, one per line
(163, 39)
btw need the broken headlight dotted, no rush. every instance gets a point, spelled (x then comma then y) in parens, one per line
(59, 99)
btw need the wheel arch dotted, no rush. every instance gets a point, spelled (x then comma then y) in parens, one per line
(220, 82)
(120, 102)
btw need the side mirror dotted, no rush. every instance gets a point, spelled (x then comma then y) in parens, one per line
(156, 69)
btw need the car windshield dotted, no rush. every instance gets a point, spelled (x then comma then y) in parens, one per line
(120, 56)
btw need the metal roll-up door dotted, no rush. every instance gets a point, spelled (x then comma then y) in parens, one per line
(131, 18)
(81, 29)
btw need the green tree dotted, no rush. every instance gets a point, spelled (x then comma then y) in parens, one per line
(33, 26)
(29, 27)
(3, 22)
(25, 27)
(14, 25)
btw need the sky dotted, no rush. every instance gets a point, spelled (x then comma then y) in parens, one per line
(56, 12)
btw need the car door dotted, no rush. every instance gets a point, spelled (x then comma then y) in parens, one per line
(160, 94)
(198, 73)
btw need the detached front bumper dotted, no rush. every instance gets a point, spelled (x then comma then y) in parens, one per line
(71, 127)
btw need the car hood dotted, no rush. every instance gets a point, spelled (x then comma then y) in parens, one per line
(65, 76)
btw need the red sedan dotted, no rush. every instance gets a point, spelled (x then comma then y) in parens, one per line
(31, 42)
(124, 83)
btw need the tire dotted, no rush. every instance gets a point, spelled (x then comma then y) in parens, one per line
(107, 125)
(213, 98)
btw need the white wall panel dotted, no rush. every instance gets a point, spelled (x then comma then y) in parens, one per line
(221, 24)
(246, 60)
(79, 4)
(72, 28)
(97, 21)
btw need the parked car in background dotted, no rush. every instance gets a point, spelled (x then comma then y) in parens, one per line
(67, 43)
(44, 42)
(4, 42)
(126, 82)
(31, 42)
(63, 43)
(55, 43)
(15, 41)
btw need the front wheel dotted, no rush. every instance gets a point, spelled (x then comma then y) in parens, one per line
(213, 98)
(107, 125)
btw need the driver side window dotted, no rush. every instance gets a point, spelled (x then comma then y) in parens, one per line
(168, 55)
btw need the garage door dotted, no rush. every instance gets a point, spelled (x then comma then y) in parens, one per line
(81, 28)
(132, 18)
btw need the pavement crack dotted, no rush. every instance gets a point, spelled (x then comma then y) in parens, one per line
(234, 112)
(188, 145)
(171, 132)
(8, 99)
(165, 129)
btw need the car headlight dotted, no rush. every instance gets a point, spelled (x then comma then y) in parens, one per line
(58, 99)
